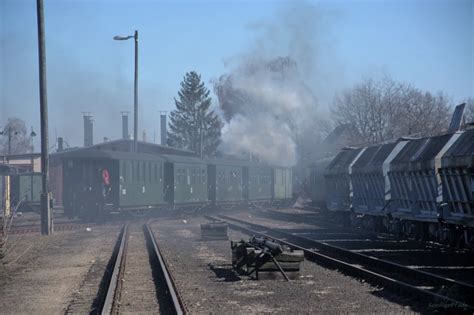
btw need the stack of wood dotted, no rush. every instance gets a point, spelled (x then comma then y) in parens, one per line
(214, 231)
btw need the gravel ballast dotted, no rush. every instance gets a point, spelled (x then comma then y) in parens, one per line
(205, 280)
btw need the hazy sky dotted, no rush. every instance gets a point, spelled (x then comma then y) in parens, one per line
(426, 43)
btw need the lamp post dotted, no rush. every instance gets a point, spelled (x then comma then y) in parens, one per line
(135, 103)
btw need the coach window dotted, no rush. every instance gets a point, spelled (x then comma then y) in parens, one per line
(137, 171)
(150, 174)
(124, 170)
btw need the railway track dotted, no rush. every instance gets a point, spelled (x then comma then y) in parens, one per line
(426, 255)
(441, 292)
(114, 293)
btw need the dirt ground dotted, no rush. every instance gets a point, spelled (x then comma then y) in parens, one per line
(43, 274)
(208, 284)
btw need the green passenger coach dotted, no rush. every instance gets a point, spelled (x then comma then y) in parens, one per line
(225, 181)
(185, 180)
(97, 182)
(282, 183)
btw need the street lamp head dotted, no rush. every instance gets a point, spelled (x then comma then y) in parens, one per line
(123, 37)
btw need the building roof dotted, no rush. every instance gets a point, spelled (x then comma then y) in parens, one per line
(91, 153)
(6, 169)
(184, 159)
(20, 156)
(236, 162)
(143, 147)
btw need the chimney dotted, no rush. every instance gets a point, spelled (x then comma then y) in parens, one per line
(88, 130)
(60, 144)
(163, 127)
(144, 135)
(125, 125)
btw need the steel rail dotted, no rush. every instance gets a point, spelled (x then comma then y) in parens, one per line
(379, 262)
(178, 303)
(324, 258)
(110, 301)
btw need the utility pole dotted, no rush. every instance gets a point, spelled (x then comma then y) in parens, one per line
(135, 92)
(46, 218)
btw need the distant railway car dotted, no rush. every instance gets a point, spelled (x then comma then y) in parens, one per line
(56, 179)
(185, 180)
(225, 178)
(282, 184)
(337, 176)
(26, 191)
(6, 174)
(22, 189)
(98, 182)
(316, 182)
(259, 178)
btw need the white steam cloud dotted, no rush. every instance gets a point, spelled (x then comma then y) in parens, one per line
(266, 98)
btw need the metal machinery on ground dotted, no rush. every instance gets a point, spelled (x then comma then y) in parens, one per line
(265, 258)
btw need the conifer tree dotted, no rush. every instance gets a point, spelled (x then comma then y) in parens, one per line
(193, 125)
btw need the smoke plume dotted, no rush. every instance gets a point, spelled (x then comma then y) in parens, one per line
(267, 96)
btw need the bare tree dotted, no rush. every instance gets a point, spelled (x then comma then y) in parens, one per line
(14, 137)
(387, 109)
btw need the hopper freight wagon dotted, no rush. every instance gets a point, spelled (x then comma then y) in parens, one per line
(371, 187)
(457, 178)
(419, 188)
(337, 176)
